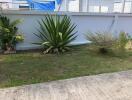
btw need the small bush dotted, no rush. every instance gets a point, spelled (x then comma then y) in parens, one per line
(129, 43)
(122, 40)
(56, 33)
(102, 40)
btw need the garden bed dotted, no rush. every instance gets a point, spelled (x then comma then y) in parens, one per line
(34, 67)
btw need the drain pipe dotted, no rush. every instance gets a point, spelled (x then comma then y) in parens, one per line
(1, 10)
(114, 24)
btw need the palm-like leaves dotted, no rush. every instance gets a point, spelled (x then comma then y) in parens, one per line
(8, 30)
(56, 33)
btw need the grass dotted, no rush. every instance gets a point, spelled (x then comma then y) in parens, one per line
(29, 68)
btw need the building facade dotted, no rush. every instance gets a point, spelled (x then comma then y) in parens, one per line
(101, 6)
(5, 4)
(104, 6)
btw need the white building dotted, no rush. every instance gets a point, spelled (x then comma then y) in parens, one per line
(23, 4)
(97, 6)
(5, 4)
(104, 6)
(17, 4)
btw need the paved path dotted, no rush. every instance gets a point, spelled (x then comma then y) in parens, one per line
(116, 86)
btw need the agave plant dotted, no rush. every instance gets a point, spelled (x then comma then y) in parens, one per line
(8, 30)
(56, 33)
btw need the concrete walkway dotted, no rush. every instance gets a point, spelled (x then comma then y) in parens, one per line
(115, 86)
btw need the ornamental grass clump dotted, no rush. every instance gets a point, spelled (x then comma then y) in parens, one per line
(103, 41)
(56, 33)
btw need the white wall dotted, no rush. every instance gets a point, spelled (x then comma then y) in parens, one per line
(85, 22)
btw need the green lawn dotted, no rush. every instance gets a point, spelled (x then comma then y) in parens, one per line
(28, 68)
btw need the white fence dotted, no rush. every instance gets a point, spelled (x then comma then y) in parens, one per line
(85, 22)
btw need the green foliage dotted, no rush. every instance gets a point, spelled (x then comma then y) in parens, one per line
(8, 30)
(122, 40)
(18, 38)
(102, 40)
(56, 33)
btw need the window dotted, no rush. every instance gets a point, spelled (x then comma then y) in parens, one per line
(73, 5)
(127, 8)
(93, 8)
(117, 7)
(104, 9)
(23, 7)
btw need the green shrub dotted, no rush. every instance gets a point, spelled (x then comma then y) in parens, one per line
(56, 33)
(122, 40)
(8, 31)
(102, 40)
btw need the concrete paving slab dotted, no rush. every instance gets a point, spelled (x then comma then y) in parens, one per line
(115, 86)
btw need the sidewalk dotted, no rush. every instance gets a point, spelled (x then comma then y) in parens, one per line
(115, 86)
